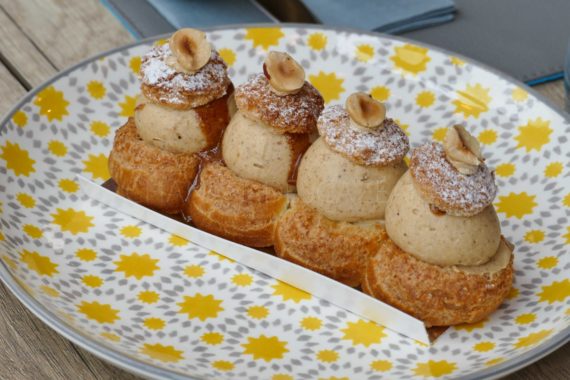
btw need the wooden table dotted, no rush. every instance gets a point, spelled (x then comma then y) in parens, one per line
(38, 38)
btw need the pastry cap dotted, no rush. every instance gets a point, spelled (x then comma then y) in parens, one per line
(442, 185)
(165, 83)
(290, 113)
(385, 145)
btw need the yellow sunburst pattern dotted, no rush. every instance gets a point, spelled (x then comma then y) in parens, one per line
(228, 55)
(163, 353)
(380, 93)
(516, 205)
(505, 170)
(425, 99)
(127, 106)
(558, 291)
(135, 64)
(52, 104)
(317, 41)
(434, 368)
(96, 89)
(72, 220)
(290, 293)
(381, 365)
(42, 265)
(472, 101)
(532, 339)
(17, 159)
(329, 85)
(101, 313)
(136, 265)
(212, 338)
(200, 306)
(410, 58)
(20, 118)
(100, 129)
(363, 332)
(265, 348)
(97, 165)
(26, 200)
(534, 135)
(264, 37)
(364, 52)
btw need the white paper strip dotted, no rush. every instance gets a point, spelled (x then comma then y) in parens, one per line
(293, 274)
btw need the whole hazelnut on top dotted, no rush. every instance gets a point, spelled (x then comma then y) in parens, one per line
(191, 50)
(462, 150)
(284, 74)
(365, 111)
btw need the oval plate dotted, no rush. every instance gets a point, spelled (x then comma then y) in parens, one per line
(160, 306)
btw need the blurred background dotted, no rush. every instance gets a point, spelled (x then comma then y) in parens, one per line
(526, 39)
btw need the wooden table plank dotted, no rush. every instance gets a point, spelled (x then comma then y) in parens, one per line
(555, 366)
(11, 90)
(67, 31)
(553, 91)
(31, 350)
(25, 61)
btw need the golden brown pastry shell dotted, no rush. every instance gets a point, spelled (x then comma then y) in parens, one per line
(439, 296)
(338, 250)
(235, 208)
(148, 175)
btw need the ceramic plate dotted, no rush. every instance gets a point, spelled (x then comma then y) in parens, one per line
(160, 306)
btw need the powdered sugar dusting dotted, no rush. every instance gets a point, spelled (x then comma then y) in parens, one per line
(384, 146)
(176, 87)
(293, 113)
(445, 187)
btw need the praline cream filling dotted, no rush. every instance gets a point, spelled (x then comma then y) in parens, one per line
(439, 239)
(498, 262)
(256, 151)
(342, 190)
(176, 131)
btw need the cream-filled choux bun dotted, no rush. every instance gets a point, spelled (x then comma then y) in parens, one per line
(277, 114)
(276, 117)
(343, 184)
(443, 258)
(183, 108)
(349, 172)
(185, 94)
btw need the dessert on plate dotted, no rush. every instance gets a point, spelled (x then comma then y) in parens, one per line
(443, 258)
(184, 106)
(242, 197)
(343, 184)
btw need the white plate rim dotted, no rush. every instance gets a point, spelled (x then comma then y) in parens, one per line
(150, 371)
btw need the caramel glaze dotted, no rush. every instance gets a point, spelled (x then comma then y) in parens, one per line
(436, 211)
(298, 143)
(214, 118)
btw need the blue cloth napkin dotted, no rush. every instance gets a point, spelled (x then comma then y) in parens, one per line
(203, 13)
(388, 16)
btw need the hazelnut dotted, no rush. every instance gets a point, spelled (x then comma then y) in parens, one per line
(191, 49)
(365, 111)
(284, 74)
(462, 150)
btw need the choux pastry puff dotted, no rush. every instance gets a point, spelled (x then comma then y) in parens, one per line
(443, 259)
(242, 197)
(182, 111)
(343, 184)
